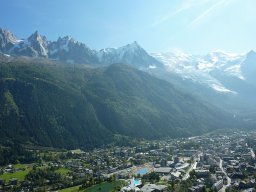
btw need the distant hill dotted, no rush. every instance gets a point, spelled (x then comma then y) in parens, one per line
(50, 104)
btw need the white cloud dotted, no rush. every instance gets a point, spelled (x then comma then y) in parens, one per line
(203, 16)
(188, 5)
(184, 6)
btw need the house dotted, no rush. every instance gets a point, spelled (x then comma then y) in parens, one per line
(225, 180)
(163, 170)
(200, 181)
(202, 173)
(175, 175)
(250, 169)
(237, 175)
(128, 188)
(218, 185)
(198, 188)
(246, 185)
(189, 153)
(166, 178)
(247, 156)
(163, 162)
(153, 188)
(249, 190)
(13, 181)
(176, 159)
(227, 158)
(219, 173)
(180, 166)
(242, 185)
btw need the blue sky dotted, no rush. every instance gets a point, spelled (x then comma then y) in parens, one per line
(193, 26)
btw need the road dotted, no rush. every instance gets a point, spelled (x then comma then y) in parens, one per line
(252, 152)
(192, 167)
(229, 180)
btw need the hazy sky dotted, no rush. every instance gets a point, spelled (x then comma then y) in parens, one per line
(194, 26)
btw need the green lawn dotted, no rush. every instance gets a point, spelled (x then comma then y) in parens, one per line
(20, 175)
(71, 189)
(62, 171)
(104, 187)
(20, 166)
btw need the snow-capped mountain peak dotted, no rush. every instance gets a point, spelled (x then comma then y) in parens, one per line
(251, 53)
(7, 35)
(132, 46)
(35, 36)
(7, 40)
(220, 58)
(204, 68)
(215, 69)
(131, 53)
(67, 39)
(39, 43)
(69, 50)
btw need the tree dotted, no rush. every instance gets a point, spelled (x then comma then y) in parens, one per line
(212, 169)
(192, 173)
(113, 177)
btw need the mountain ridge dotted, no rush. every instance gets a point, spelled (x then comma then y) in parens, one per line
(56, 105)
(67, 49)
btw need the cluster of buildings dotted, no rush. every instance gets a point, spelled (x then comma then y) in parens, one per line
(226, 163)
(9, 169)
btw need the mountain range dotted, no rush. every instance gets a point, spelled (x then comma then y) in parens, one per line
(64, 94)
(53, 104)
(214, 70)
(67, 49)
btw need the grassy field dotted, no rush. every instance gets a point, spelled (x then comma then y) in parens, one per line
(62, 171)
(20, 166)
(102, 187)
(20, 175)
(71, 189)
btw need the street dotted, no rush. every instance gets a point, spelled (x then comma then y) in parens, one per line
(229, 180)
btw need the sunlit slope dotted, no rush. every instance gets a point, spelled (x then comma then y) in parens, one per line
(56, 105)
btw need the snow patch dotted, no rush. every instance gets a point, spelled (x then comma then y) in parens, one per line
(204, 65)
(6, 55)
(220, 88)
(151, 66)
(200, 68)
(235, 70)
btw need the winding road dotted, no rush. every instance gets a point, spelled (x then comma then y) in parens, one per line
(229, 180)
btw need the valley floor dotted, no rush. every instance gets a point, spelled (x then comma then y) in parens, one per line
(222, 162)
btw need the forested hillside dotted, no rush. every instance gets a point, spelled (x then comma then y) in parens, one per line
(49, 104)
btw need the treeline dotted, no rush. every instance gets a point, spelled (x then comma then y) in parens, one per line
(15, 153)
(41, 177)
